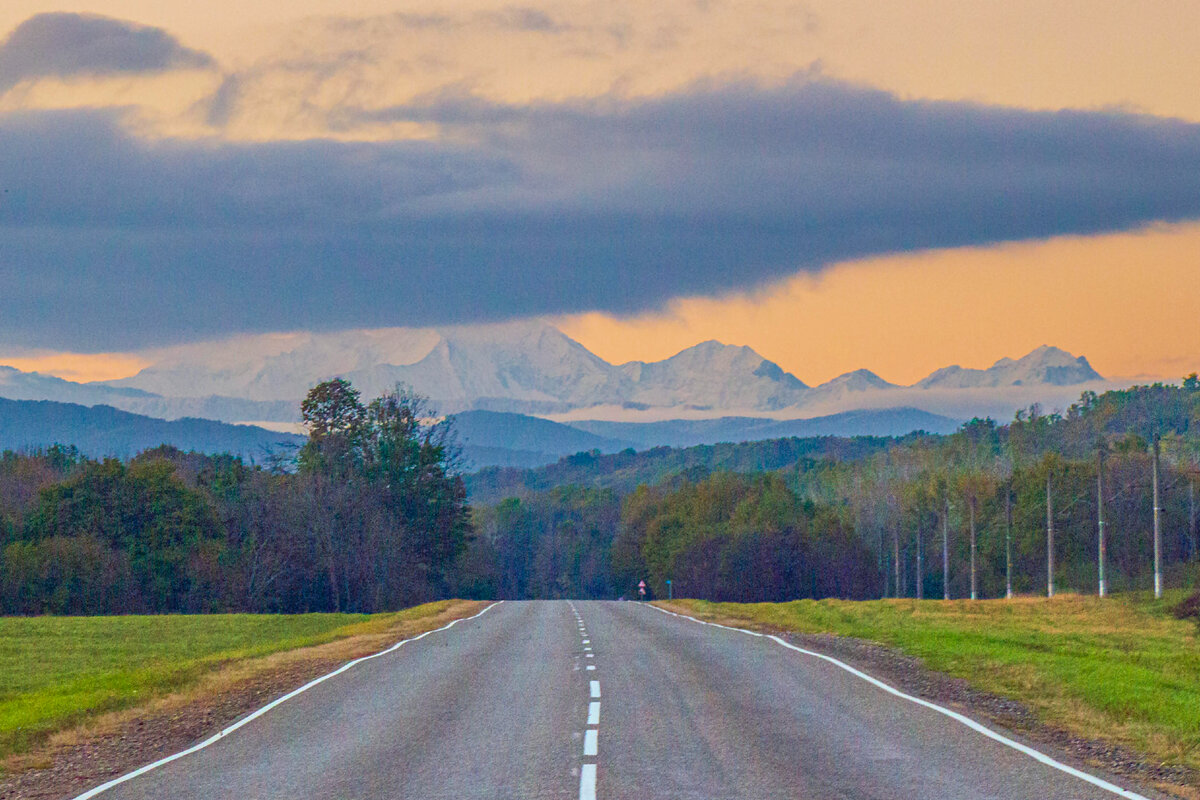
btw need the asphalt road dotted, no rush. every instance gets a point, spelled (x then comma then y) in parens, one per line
(608, 700)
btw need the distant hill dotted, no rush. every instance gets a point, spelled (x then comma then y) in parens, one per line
(495, 438)
(686, 433)
(105, 431)
(18, 385)
(625, 470)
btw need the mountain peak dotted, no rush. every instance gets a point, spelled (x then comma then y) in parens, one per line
(858, 380)
(1043, 365)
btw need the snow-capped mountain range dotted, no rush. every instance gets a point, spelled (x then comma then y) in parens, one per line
(533, 368)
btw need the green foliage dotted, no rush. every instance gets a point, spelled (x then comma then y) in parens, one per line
(336, 425)
(867, 517)
(625, 471)
(548, 545)
(137, 522)
(373, 519)
(744, 537)
(383, 507)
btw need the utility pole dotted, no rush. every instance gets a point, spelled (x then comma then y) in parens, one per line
(1049, 539)
(883, 562)
(1157, 527)
(974, 592)
(1192, 519)
(920, 563)
(946, 552)
(896, 556)
(1008, 542)
(1100, 515)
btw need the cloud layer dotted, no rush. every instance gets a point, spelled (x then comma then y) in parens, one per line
(112, 242)
(63, 45)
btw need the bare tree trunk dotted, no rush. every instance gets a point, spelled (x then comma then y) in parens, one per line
(920, 564)
(1008, 593)
(974, 585)
(1157, 526)
(1100, 519)
(896, 556)
(883, 563)
(946, 551)
(1192, 519)
(1049, 540)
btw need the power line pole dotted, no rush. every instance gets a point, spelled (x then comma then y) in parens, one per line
(1008, 543)
(920, 563)
(896, 556)
(1157, 527)
(946, 552)
(974, 592)
(1100, 515)
(1049, 539)
(1192, 519)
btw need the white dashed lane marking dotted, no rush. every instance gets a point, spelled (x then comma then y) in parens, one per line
(587, 782)
(591, 736)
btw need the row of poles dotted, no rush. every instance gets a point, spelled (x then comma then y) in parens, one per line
(1102, 549)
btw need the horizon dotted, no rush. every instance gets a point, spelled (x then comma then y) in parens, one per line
(81, 368)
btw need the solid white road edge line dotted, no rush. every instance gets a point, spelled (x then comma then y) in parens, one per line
(1037, 755)
(226, 731)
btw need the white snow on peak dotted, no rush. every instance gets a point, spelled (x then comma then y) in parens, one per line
(1044, 366)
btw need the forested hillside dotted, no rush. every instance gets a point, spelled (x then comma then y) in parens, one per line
(867, 517)
(99, 431)
(372, 514)
(625, 471)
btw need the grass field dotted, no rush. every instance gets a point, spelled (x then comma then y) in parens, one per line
(56, 672)
(1121, 669)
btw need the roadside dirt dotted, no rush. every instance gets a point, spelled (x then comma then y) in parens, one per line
(72, 762)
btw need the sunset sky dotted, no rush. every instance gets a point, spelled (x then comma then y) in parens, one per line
(838, 184)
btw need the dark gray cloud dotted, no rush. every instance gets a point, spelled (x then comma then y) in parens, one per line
(112, 242)
(62, 45)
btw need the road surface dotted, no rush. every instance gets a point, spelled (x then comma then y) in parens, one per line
(617, 701)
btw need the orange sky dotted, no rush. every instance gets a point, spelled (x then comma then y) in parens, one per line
(1128, 302)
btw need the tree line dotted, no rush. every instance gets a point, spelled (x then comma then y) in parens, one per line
(988, 511)
(371, 513)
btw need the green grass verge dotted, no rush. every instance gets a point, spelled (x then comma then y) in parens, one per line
(1121, 669)
(58, 671)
